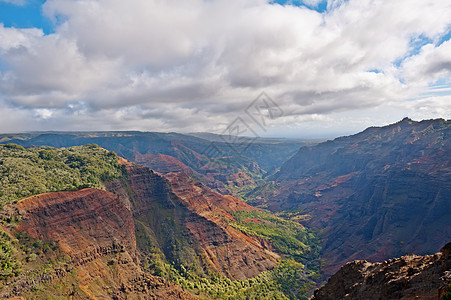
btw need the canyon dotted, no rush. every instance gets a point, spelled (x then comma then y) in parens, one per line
(130, 237)
(162, 217)
(379, 194)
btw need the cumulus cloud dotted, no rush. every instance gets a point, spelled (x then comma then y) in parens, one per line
(195, 64)
(431, 64)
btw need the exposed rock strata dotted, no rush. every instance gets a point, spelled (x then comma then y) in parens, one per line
(87, 224)
(186, 220)
(96, 232)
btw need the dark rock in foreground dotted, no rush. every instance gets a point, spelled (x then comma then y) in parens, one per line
(408, 277)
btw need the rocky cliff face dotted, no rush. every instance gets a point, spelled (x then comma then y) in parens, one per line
(97, 254)
(87, 224)
(376, 195)
(186, 222)
(408, 277)
(229, 250)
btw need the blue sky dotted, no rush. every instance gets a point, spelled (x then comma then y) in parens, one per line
(334, 67)
(319, 7)
(27, 15)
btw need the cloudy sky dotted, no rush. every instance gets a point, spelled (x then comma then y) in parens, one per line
(332, 67)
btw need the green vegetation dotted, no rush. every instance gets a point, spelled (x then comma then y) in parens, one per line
(259, 195)
(287, 237)
(301, 265)
(9, 262)
(32, 261)
(220, 287)
(293, 280)
(287, 281)
(34, 247)
(27, 172)
(26, 259)
(232, 171)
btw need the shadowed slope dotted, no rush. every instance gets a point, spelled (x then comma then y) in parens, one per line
(378, 194)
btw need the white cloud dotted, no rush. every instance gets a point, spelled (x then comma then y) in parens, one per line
(11, 38)
(186, 64)
(43, 113)
(431, 64)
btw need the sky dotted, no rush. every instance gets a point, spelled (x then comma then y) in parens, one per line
(309, 68)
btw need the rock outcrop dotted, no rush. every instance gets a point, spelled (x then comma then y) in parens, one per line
(161, 163)
(408, 277)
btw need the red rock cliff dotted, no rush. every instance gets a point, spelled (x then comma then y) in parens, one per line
(96, 230)
(190, 227)
(86, 224)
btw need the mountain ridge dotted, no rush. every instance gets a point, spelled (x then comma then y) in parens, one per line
(380, 193)
(217, 162)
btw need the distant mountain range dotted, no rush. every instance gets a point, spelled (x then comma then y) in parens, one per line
(269, 153)
(228, 164)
